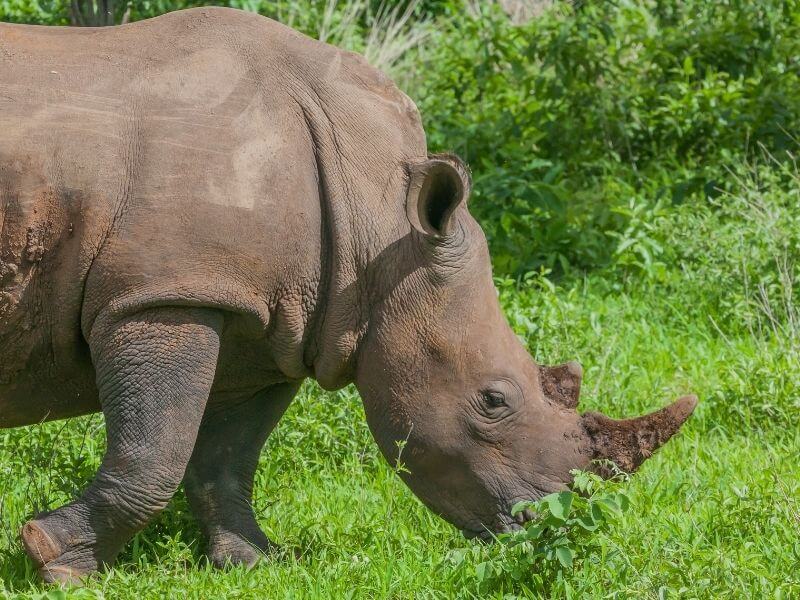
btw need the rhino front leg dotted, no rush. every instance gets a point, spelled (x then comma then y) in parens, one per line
(219, 480)
(154, 374)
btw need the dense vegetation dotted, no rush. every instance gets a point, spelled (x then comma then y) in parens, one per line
(634, 171)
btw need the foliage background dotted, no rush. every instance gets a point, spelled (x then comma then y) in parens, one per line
(635, 173)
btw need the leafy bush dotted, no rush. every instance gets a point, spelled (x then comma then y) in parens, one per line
(589, 109)
(541, 556)
(368, 26)
(35, 12)
(736, 257)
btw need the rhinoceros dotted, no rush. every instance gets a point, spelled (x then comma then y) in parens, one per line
(201, 210)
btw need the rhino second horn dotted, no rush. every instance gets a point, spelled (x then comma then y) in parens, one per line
(629, 442)
(562, 383)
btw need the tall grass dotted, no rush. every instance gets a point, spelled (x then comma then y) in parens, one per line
(386, 36)
(773, 219)
(393, 33)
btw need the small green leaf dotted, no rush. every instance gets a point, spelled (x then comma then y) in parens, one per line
(598, 516)
(688, 66)
(564, 555)
(587, 522)
(457, 556)
(520, 506)
(609, 505)
(534, 531)
(561, 540)
(559, 504)
(553, 521)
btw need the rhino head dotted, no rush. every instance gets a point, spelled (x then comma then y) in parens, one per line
(450, 390)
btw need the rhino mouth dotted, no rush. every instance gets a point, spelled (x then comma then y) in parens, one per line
(506, 525)
(486, 535)
(504, 521)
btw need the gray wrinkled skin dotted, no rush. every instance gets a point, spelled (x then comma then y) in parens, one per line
(201, 210)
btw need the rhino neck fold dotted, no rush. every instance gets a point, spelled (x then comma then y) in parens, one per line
(362, 134)
(339, 321)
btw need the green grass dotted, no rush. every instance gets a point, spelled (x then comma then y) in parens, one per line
(715, 513)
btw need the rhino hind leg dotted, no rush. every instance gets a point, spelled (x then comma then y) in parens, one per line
(219, 480)
(154, 374)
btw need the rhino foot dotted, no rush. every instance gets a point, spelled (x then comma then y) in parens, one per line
(56, 561)
(231, 549)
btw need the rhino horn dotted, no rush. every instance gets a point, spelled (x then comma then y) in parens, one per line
(629, 442)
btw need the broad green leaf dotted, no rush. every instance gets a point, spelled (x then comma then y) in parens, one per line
(559, 504)
(534, 531)
(482, 571)
(553, 521)
(564, 555)
(457, 556)
(522, 505)
(598, 516)
(587, 522)
(609, 505)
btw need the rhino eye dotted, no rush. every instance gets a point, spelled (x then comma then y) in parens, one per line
(494, 399)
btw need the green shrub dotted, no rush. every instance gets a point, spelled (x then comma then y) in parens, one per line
(541, 556)
(35, 12)
(591, 109)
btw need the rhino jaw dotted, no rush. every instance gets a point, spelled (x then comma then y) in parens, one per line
(629, 442)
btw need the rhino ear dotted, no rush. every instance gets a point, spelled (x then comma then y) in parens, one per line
(437, 187)
(562, 383)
